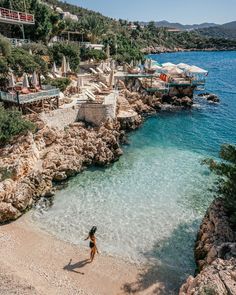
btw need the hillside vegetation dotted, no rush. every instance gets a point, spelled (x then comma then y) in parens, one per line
(226, 31)
(125, 42)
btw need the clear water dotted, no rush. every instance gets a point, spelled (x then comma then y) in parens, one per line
(149, 204)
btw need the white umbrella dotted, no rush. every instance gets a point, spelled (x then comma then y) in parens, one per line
(197, 70)
(108, 51)
(146, 63)
(149, 63)
(132, 64)
(111, 79)
(25, 83)
(175, 71)
(34, 79)
(30, 52)
(68, 69)
(63, 65)
(11, 80)
(168, 64)
(183, 66)
(54, 68)
(113, 65)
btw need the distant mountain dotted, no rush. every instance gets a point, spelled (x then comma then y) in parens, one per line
(226, 31)
(180, 26)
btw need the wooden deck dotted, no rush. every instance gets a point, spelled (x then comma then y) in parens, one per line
(29, 98)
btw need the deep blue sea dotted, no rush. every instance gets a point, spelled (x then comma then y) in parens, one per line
(149, 204)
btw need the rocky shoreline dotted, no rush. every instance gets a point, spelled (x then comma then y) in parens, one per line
(162, 49)
(31, 164)
(215, 255)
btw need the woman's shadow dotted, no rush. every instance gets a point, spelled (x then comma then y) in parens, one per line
(80, 264)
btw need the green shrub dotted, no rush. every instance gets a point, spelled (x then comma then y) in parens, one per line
(87, 53)
(11, 124)
(60, 83)
(70, 51)
(226, 170)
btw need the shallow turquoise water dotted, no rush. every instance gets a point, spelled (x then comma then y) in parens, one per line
(149, 204)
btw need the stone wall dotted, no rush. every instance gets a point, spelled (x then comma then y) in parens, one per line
(97, 114)
(59, 118)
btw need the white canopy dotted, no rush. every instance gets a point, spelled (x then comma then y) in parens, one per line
(197, 70)
(156, 67)
(168, 64)
(183, 66)
(175, 71)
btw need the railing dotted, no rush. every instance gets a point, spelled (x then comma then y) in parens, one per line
(11, 16)
(18, 42)
(31, 97)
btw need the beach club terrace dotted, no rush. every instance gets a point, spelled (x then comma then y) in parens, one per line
(157, 77)
(29, 98)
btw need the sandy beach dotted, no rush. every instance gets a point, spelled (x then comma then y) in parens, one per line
(34, 262)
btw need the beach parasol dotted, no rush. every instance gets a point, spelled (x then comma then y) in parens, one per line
(196, 70)
(34, 79)
(183, 66)
(168, 64)
(80, 82)
(175, 71)
(68, 69)
(113, 65)
(108, 51)
(63, 65)
(11, 80)
(25, 83)
(146, 64)
(112, 79)
(54, 68)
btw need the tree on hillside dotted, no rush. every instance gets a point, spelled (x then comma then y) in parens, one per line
(5, 46)
(226, 170)
(94, 28)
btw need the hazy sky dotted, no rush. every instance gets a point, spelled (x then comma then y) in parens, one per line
(184, 11)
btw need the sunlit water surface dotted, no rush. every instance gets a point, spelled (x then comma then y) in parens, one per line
(149, 204)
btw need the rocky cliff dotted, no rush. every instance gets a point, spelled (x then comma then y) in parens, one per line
(31, 164)
(215, 254)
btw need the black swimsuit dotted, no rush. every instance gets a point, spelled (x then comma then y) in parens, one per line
(91, 244)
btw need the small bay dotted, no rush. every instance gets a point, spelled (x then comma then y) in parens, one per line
(148, 206)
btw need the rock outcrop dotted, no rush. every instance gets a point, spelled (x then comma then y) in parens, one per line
(31, 164)
(215, 254)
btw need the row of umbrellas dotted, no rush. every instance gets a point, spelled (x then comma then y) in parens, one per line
(172, 68)
(65, 67)
(25, 83)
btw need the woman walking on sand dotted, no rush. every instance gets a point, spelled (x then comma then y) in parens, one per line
(92, 243)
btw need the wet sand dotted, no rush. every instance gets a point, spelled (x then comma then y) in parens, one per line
(34, 262)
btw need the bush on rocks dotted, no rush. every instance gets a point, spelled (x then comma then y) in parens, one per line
(11, 124)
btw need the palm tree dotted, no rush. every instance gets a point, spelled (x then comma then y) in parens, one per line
(94, 27)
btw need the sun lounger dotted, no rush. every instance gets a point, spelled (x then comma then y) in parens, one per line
(103, 85)
(90, 95)
(93, 71)
(99, 70)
